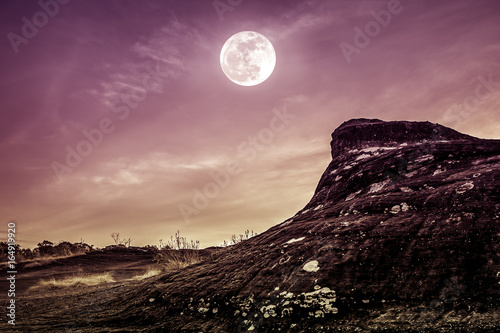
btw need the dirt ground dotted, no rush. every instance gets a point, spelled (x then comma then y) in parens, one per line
(123, 306)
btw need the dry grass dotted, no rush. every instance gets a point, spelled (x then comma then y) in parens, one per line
(42, 261)
(76, 281)
(37, 262)
(177, 259)
(149, 273)
(178, 253)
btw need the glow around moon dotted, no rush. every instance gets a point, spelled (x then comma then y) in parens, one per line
(248, 58)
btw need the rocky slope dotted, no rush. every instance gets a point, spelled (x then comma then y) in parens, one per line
(401, 234)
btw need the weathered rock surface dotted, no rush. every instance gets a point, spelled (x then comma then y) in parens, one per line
(406, 214)
(401, 234)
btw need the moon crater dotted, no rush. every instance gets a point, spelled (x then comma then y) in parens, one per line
(248, 58)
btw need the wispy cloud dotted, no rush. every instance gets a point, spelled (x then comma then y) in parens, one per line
(168, 49)
(307, 15)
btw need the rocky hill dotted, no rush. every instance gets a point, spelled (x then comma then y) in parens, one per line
(402, 234)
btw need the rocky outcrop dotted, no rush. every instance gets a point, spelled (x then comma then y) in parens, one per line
(402, 233)
(406, 215)
(365, 133)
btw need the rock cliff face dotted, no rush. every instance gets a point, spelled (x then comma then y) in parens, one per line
(402, 233)
(366, 133)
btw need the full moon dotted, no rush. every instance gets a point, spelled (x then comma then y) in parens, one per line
(248, 58)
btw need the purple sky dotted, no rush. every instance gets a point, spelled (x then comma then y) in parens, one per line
(89, 66)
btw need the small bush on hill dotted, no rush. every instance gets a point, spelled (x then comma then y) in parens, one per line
(178, 252)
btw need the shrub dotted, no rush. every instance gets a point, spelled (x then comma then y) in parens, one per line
(234, 239)
(178, 252)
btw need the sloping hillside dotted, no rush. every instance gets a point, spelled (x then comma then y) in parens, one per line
(402, 234)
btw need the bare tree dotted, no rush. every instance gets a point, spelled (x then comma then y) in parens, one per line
(127, 242)
(116, 237)
(233, 239)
